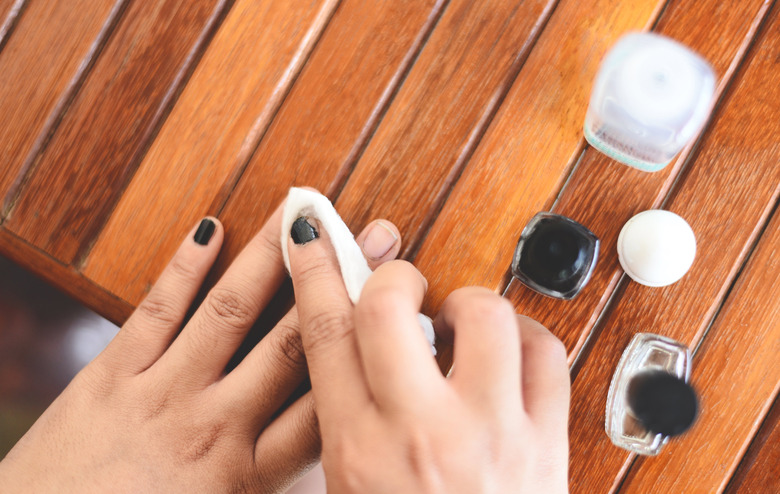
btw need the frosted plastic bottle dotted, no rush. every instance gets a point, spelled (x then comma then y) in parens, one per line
(650, 98)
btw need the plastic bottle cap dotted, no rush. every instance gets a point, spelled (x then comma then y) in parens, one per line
(656, 247)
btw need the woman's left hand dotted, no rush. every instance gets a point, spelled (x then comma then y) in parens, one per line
(155, 410)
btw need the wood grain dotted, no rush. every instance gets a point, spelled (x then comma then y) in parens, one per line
(725, 194)
(207, 139)
(9, 13)
(40, 66)
(603, 194)
(759, 471)
(109, 123)
(332, 108)
(737, 375)
(65, 278)
(522, 160)
(442, 110)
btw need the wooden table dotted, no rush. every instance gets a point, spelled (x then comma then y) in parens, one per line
(124, 122)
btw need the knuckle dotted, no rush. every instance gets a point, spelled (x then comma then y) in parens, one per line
(311, 270)
(203, 442)
(97, 381)
(267, 245)
(290, 353)
(183, 269)
(160, 310)
(380, 301)
(307, 428)
(157, 404)
(326, 328)
(229, 307)
(486, 306)
(551, 349)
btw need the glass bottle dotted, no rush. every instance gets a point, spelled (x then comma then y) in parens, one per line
(649, 398)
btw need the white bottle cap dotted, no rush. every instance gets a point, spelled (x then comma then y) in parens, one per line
(656, 247)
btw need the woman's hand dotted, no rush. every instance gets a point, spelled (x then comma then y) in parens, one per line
(155, 411)
(391, 423)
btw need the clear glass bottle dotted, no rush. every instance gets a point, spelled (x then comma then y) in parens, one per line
(649, 398)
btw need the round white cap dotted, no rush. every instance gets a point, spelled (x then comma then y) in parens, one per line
(656, 247)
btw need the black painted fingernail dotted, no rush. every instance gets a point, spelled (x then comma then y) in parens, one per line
(204, 232)
(302, 232)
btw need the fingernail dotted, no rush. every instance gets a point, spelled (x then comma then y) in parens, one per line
(302, 232)
(204, 232)
(379, 240)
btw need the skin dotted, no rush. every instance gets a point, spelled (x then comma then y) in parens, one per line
(391, 423)
(155, 411)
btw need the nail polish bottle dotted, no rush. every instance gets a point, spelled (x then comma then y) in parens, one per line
(555, 255)
(650, 98)
(649, 398)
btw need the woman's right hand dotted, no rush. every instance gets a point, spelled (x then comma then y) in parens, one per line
(390, 422)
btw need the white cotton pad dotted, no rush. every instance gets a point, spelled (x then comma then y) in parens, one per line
(354, 267)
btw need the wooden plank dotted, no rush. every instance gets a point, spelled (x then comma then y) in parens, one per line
(603, 194)
(111, 119)
(442, 110)
(737, 375)
(207, 139)
(522, 159)
(109, 123)
(726, 195)
(40, 66)
(65, 278)
(9, 13)
(332, 109)
(759, 471)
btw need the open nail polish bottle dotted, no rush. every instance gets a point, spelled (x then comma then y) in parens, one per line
(555, 255)
(649, 398)
(650, 98)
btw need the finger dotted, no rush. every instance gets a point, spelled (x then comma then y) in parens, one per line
(276, 366)
(327, 328)
(545, 377)
(228, 312)
(399, 367)
(289, 446)
(255, 390)
(380, 242)
(151, 328)
(486, 360)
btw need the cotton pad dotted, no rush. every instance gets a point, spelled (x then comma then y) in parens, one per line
(354, 267)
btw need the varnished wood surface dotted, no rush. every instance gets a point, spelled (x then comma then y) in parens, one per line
(124, 122)
(149, 54)
(204, 143)
(9, 11)
(760, 468)
(41, 65)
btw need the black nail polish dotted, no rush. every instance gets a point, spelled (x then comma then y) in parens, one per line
(302, 232)
(204, 232)
(555, 255)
